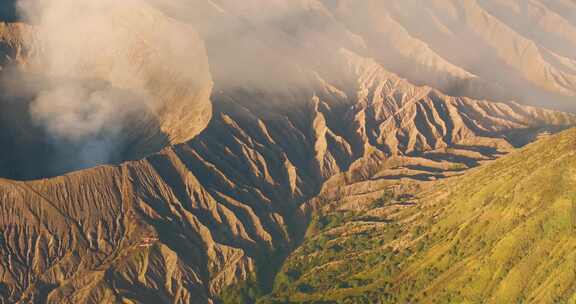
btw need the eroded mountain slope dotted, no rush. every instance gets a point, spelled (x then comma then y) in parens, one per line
(226, 206)
(495, 49)
(184, 224)
(471, 239)
(487, 49)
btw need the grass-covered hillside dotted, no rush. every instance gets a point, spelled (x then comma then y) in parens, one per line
(503, 233)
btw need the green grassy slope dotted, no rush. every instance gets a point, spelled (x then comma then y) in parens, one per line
(503, 233)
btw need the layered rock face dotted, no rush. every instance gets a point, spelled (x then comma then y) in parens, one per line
(222, 203)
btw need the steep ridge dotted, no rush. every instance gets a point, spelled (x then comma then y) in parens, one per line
(494, 49)
(470, 239)
(184, 224)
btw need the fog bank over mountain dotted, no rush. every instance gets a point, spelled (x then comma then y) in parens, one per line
(485, 49)
(225, 151)
(492, 49)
